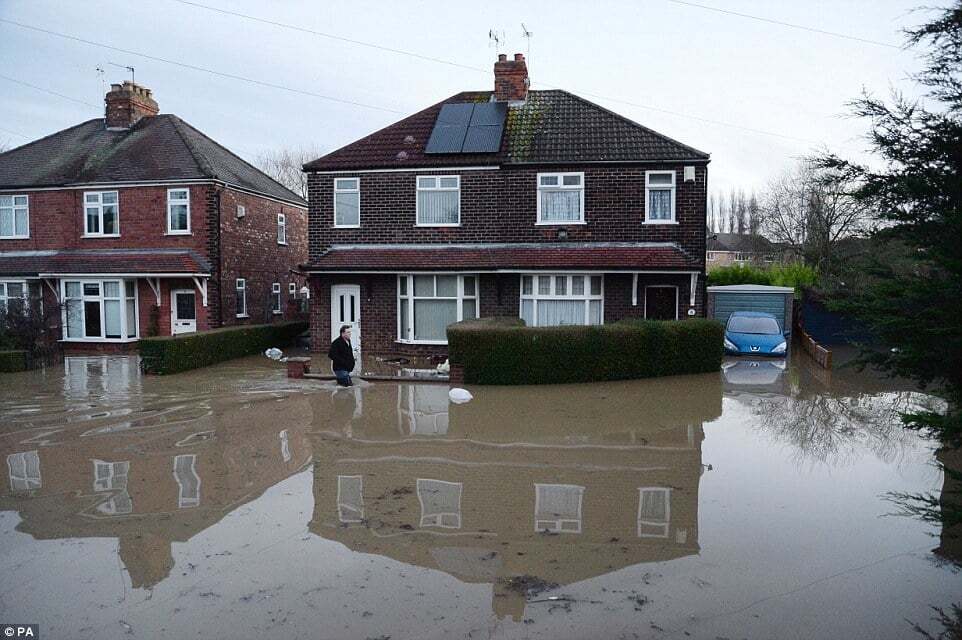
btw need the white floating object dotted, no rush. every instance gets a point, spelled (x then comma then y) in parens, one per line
(445, 367)
(459, 395)
(274, 353)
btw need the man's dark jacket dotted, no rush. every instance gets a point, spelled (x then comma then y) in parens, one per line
(342, 355)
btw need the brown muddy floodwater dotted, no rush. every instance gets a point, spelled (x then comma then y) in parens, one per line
(234, 503)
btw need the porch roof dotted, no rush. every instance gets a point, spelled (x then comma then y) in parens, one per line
(493, 257)
(87, 262)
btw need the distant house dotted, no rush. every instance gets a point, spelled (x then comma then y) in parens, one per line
(739, 248)
(138, 223)
(535, 204)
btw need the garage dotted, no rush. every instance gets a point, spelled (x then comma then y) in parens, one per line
(778, 301)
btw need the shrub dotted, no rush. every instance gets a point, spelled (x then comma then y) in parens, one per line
(172, 354)
(13, 361)
(504, 351)
(794, 274)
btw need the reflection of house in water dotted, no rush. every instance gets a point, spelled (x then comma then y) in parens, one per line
(586, 481)
(150, 484)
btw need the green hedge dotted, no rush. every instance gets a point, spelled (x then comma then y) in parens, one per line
(504, 351)
(173, 354)
(793, 274)
(13, 361)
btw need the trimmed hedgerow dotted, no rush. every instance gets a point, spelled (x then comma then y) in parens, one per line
(15, 360)
(500, 351)
(173, 354)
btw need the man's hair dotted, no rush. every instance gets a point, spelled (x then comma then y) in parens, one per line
(344, 328)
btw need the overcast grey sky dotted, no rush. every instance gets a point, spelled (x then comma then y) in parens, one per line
(677, 64)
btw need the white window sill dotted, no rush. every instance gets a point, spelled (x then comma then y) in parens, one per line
(277, 313)
(14, 237)
(346, 226)
(438, 225)
(283, 244)
(660, 222)
(434, 342)
(100, 235)
(96, 340)
(559, 223)
(178, 233)
(242, 315)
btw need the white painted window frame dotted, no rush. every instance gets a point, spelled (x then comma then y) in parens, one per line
(14, 208)
(187, 502)
(100, 298)
(281, 229)
(461, 297)
(276, 298)
(661, 286)
(5, 296)
(562, 187)
(99, 205)
(171, 202)
(650, 523)
(587, 296)
(338, 191)
(437, 519)
(674, 196)
(417, 205)
(24, 481)
(557, 525)
(240, 284)
(292, 289)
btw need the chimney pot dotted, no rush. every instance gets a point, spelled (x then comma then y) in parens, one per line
(519, 57)
(502, 57)
(127, 103)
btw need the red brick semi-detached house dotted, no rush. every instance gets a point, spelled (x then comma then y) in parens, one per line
(139, 224)
(537, 204)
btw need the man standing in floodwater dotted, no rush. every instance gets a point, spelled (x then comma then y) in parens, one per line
(341, 354)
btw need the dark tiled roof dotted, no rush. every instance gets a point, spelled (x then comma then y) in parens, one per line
(89, 261)
(549, 127)
(163, 147)
(741, 242)
(606, 256)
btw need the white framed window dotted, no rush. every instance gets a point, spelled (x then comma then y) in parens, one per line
(285, 439)
(423, 409)
(185, 473)
(292, 289)
(13, 295)
(23, 469)
(281, 228)
(438, 201)
(178, 211)
(101, 214)
(428, 303)
(14, 217)
(557, 508)
(99, 310)
(561, 198)
(660, 197)
(112, 476)
(743, 256)
(240, 297)
(276, 297)
(350, 499)
(347, 202)
(241, 211)
(654, 512)
(440, 503)
(549, 300)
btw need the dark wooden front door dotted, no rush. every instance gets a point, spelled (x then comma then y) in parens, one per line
(661, 303)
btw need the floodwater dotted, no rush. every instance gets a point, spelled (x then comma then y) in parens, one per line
(233, 503)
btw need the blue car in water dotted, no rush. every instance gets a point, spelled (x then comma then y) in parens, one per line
(754, 333)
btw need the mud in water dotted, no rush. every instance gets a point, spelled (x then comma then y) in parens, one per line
(232, 502)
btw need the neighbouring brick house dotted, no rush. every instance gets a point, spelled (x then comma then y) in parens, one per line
(139, 224)
(536, 204)
(739, 248)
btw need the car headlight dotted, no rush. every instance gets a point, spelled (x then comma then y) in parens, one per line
(780, 347)
(730, 345)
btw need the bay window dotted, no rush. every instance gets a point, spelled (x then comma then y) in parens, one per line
(99, 310)
(549, 300)
(561, 198)
(438, 201)
(659, 197)
(101, 213)
(14, 217)
(178, 211)
(427, 304)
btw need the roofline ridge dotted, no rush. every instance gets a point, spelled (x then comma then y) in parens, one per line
(50, 135)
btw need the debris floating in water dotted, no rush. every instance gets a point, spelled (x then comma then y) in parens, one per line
(274, 353)
(459, 395)
(444, 368)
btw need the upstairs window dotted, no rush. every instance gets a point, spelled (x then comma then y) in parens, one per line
(660, 197)
(240, 298)
(561, 198)
(101, 214)
(14, 217)
(439, 201)
(347, 202)
(281, 228)
(178, 211)
(276, 297)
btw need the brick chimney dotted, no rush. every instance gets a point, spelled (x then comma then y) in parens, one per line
(511, 78)
(127, 103)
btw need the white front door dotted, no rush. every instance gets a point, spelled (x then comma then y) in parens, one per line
(346, 310)
(183, 311)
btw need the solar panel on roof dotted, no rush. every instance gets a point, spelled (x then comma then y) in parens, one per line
(467, 127)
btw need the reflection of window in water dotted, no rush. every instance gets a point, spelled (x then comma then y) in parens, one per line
(557, 508)
(185, 473)
(440, 503)
(24, 470)
(654, 512)
(423, 409)
(285, 446)
(112, 476)
(350, 498)
(86, 375)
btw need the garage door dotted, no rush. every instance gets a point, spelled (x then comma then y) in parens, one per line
(726, 303)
